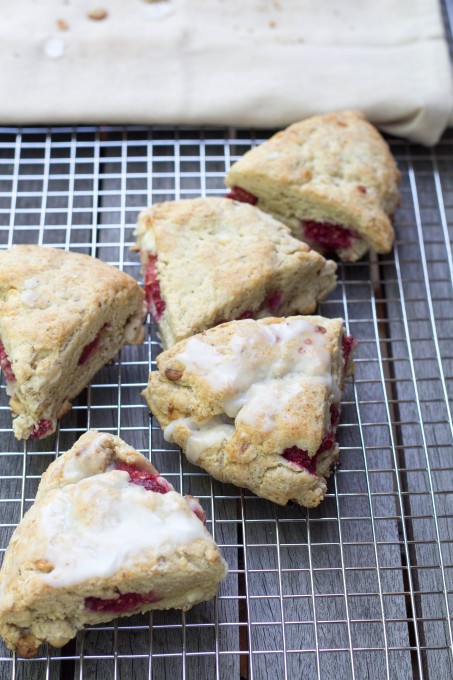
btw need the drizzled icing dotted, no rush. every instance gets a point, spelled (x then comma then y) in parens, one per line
(88, 462)
(103, 523)
(203, 437)
(294, 350)
(255, 386)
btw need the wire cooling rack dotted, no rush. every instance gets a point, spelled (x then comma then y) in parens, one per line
(360, 587)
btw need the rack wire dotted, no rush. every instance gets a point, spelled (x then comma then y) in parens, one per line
(359, 587)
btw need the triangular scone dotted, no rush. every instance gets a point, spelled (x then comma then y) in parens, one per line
(331, 178)
(106, 537)
(257, 403)
(62, 316)
(211, 260)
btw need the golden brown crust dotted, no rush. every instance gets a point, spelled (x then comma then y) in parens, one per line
(52, 305)
(248, 452)
(218, 259)
(330, 168)
(33, 610)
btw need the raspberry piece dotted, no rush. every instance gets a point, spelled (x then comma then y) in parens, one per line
(273, 300)
(126, 602)
(196, 508)
(329, 236)
(152, 289)
(43, 427)
(5, 365)
(300, 458)
(149, 481)
(334, 416)
(327, 443)
(238, 194)
(348, 343)
(248, 314)
(91, 348)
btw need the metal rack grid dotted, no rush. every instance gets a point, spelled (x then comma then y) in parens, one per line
(359, 587)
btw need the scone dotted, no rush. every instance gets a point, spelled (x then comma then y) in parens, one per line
(106, 536)
(62, 316)
(210, 260)
(330, 178)
(257, 403)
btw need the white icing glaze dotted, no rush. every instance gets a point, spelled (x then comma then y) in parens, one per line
(203, 437)
(254, 386)
(169, 430)
(266, 400)
(31, 283)
(104, 523)
(294, 350)
(87, 463)
(209, 435)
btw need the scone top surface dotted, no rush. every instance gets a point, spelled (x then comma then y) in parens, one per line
(256, 373)
(247, 398)
(218, 259)
(63, 315)
(331, 168)
(106, 531)
(45, 297)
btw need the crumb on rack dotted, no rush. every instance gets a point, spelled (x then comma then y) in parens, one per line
(62, 25)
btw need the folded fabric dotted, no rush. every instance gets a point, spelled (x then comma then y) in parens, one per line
(264, 63)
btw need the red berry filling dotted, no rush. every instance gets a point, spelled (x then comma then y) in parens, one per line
(248, 314)
(91, 348)
(238, 194)
(196, 508)
(329, 236)
(348, 343)
(43, 427)
(300, 458)
(5, 365)
(156, 304)
(149, 481)
(334, 416)
(327, 443)
(127, 602)
(273, 300)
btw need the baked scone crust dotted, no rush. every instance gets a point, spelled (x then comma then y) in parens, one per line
(179, 572)
(219, 259)
(333, 168)
(195, 388)
(55, 306)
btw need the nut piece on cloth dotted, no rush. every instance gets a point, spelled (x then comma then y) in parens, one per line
(211, 260)
(257, 403)
(331, 179)
(63, 316)
(107, 536)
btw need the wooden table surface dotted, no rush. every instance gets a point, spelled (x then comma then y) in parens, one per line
(360, 587)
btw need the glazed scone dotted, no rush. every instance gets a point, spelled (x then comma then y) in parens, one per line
(330, 178)
(257, 403)
(62, 317)
(106, 536)
(210, 260)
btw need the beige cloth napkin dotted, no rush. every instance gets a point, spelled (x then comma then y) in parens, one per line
(263, 63)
